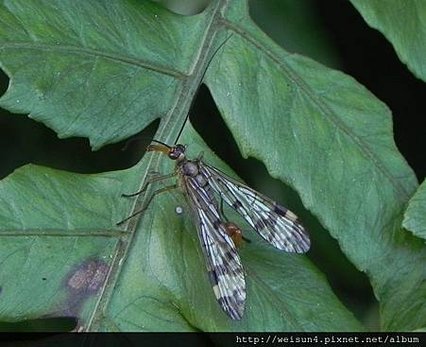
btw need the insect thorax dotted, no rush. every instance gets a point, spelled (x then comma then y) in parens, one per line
(189, 168)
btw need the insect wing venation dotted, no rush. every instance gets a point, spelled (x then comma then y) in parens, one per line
(277, 225)
(224, 266)
(218, 238)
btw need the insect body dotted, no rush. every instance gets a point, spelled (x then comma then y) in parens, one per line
(219, 238)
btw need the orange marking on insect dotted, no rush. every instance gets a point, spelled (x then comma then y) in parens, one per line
(234, 232)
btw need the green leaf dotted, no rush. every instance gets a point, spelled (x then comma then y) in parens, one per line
(95, 68)
(62, 237)
(403, 24)
(415, 215)
(122, 64)
(421, 330)
(57, 240)
(331, 139)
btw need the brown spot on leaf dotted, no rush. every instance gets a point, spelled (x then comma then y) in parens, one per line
(82, 282)
(88, 277)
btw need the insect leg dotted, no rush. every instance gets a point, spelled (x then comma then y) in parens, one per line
(155, 193)
(147, 183)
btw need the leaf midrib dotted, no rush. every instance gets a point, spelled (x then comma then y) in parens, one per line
(168, 131)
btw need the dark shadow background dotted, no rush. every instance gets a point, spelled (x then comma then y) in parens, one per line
(337, 36)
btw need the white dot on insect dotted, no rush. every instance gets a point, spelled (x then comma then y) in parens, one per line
(179, 210)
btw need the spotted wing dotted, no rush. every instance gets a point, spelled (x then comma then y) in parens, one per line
(276, 224)
(224, 266)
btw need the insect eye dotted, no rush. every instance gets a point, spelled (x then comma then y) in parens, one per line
(181, 148)
(177, 152)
